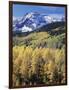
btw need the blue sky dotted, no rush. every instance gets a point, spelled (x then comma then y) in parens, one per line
(21, 10)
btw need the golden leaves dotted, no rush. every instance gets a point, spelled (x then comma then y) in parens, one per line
(41, 62)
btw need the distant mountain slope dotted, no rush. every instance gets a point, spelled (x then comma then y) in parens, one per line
(53, 28)
(42, 38)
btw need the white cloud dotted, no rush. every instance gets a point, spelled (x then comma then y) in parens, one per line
(18, 18)
(58, 16)
(25, 29)
(14, 18)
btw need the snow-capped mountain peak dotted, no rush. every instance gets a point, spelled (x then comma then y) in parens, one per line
(34, 20)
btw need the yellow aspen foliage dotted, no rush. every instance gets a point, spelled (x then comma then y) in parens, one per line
(48, 54)
(26, 62)
(39, 62)
(60, 59)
